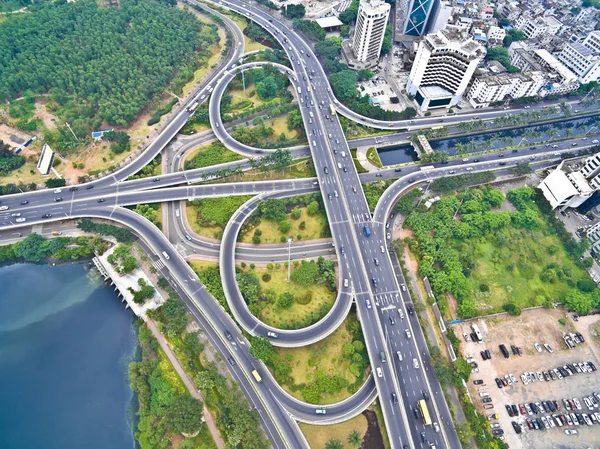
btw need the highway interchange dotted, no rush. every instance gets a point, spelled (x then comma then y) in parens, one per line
(373, 286)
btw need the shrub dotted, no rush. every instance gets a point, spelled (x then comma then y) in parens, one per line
(269, 266)
(562, 321)
(284, 226)
(285, 300)
(302, 225)
(256, 239)
(243, 264)
(304, 299)
(266, 277)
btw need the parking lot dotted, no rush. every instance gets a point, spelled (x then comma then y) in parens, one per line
(536, 326)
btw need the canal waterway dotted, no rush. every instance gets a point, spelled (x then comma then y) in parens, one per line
(493, 140)
(65, 344)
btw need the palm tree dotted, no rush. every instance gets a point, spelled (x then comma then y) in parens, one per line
(334, 444)
(354, 439)
(568, 132)
(459, 148)
(551, 132)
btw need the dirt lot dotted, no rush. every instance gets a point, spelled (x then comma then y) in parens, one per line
(533, 326)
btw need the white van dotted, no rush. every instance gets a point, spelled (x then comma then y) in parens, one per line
(339, 165)
(345, 282)
(343, 153)
(165, 255)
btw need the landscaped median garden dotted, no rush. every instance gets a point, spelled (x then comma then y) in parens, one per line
(322, 373)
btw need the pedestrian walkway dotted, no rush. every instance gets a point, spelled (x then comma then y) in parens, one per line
(209, 419)
(361, 155)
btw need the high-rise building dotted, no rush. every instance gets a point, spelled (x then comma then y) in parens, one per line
(370, 29)
(442, 69)
(440, 13)
(412, 17)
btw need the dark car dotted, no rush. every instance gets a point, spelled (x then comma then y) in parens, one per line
(516, 426)
(488, 354)
(509, 410)
(502, 164)
(46, 215)
(483, 355)
(73, 189)
(102, 200)
(486, 400)
(58, 200)
(417, 413)
(228, 336)
(497, 432)
(392, 321)
(89, 187)
(394, 398)
(499, 383)
(410, 309)
(24, 202)
(423, 437)
(475, 160)
(397, 169)
(231, 361)
(478, 382)
(156, 180)
(515, 410)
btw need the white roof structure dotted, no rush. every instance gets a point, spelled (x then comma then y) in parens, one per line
(45, 161)
(556, 65)
(329, 22)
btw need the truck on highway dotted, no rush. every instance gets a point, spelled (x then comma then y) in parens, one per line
(256, 376)
(299, 90)
(332, 108)
(191, 108)
(367, 230)
(427, 167)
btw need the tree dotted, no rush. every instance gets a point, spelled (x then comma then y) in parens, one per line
(312, 208)
(285, 300)
(462, 369)
(513, 35)
(284, 226)
(578, 302)
(386, 46)
(295, 11)
(586, 285)
(344, 84)
(267, 88)
(354, 439)
(294, 120)
(272, 209)
(261, 348)
(185, 415)
(32, 248)
(334, 444)
(55, 182)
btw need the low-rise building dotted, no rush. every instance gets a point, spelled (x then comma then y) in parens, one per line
(493, 88)
(582, 61)
(570, 185)
(496, 35)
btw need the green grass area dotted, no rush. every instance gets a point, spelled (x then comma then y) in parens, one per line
(209, 216)
(512, 270)
(315, 226)
(357, 164)
(353, 130)
(279, 126)
(321, 299)
(211, 154)
(317, 436)
(244, 100)
(373, 157)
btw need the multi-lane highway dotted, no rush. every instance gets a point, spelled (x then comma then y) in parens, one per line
(398, 354)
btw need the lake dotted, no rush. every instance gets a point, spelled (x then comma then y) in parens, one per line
(65, 344)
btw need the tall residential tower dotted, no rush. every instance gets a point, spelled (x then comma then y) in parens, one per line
(370, 29)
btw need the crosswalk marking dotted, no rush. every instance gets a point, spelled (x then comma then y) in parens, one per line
(158, 264)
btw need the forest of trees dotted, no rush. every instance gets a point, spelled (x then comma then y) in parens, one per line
(100, 64)
(8, 160)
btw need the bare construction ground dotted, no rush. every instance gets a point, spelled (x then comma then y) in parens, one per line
(535, 326)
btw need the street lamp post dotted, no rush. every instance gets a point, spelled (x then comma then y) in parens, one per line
(289, 257)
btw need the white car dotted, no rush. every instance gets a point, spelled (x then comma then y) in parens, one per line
(3, 207)
(571, 431)
(538, 348)
(415, 363)
(379, 372)
(21, 220)
(57, 190)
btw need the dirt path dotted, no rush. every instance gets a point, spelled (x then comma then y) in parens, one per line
(189, 384)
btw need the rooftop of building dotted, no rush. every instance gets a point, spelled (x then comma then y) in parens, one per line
(374, 5)
(435, 92)
(555, 64)
(329, 22)
(453, 40)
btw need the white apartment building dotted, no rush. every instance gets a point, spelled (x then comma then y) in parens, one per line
(539, 26)
(492, 88)
(592, 41)
(442, 69)
(560, 80)
(496, 35)
(582, 61)
(370, 29)
(439, 16)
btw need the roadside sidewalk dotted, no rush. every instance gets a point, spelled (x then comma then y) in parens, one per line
(361, 155)
(189, 384)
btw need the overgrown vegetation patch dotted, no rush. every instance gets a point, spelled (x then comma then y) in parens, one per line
(492, 260)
